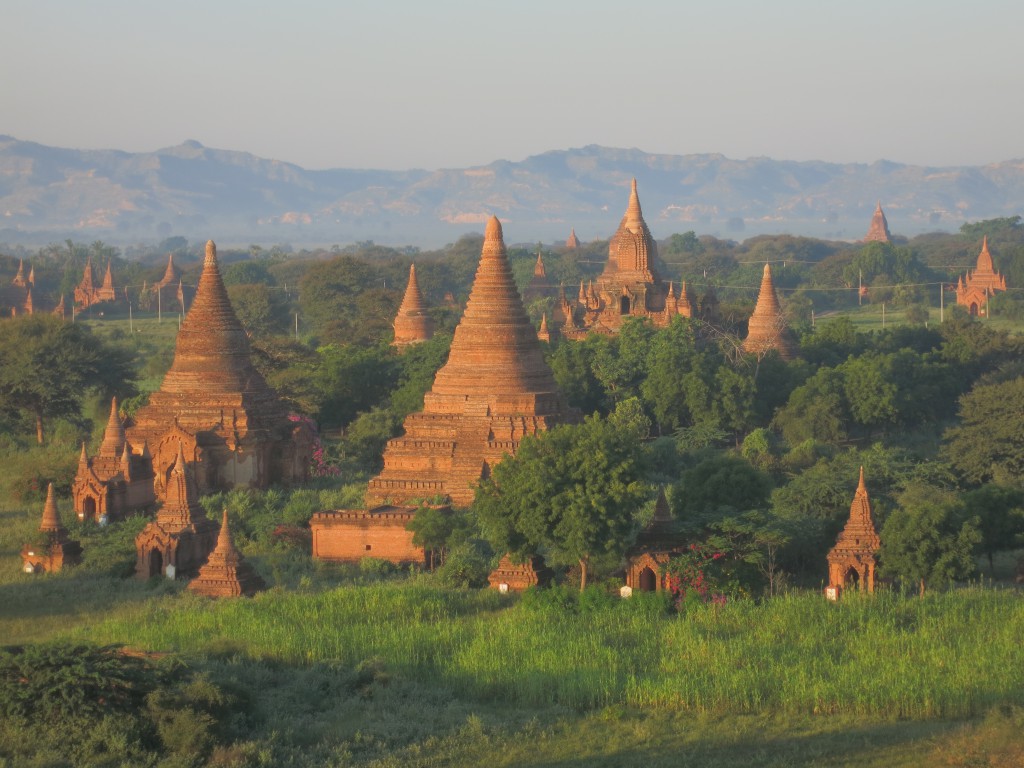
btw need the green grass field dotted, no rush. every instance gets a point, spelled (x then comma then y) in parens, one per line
(336, 668)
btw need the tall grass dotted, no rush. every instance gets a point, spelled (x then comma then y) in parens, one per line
(949, 655)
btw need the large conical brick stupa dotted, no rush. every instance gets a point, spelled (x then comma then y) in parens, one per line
(767, 328)
(494, 390)
(234, 428)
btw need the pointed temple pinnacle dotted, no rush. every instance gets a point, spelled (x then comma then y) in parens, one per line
(84, 457)
(412, 323)
(211, 254)
(51, 520)
(862, 489)
(634, 216)
(113, 436)
(225, 542)
(493, 231)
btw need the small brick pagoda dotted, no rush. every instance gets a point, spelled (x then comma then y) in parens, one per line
(516, 577)
(852, 560)
(181, 537)
(56, 549)
(628, 286)
(495, 389)
(656, 544)
(234, 428)
(573, 242)
(226, 573)
(878, 232)
(116, 480)
(975, 290)
(767, 328)
(87, 294)
(412, 324)
(538, 287)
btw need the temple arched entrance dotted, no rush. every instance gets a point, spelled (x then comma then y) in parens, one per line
(973, 309)
(851, 579)
(624, 305)
(156, 563)
(89, 508)
(648, 580)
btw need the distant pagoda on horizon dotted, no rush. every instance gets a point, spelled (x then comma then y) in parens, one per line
(878, 232)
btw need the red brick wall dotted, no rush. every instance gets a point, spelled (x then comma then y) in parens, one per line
(351, 538)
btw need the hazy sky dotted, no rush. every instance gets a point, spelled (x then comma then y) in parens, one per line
(453, 83)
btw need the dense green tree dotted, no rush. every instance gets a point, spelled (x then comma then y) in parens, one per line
(1000, 515)
(47, 366)
(817, 410)
(261, 308)
(988, 443)
(571, 493)
(929, 538)
(352, 379)
(721, 482)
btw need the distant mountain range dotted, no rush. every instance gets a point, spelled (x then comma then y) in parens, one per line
(48, 193)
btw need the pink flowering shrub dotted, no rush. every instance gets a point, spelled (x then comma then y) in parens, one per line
(695, 576)
(319, 466)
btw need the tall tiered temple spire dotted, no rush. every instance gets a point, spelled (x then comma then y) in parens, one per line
(412, 324)
(495, 388)
(852, 559)
(767, 328)
(573, 242)
(226, 573)
(171, 274)
(878, 232)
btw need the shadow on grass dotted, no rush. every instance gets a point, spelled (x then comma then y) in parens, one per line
(35, 608)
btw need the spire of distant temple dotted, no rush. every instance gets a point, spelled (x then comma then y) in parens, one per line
(113, 436)
(32, 275)
(878, 232)
(51, 520)
(226, 573)
(108, 278)
(542, 333)
(412, 323)
(767, 328)
(538, 268)
(19, 279)
(632, 249)
(87, 282)
(573, 242)
(170, 274)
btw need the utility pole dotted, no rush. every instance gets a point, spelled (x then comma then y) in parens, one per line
(131, 326)
(296, 326)
(159, 309)
(942, 302)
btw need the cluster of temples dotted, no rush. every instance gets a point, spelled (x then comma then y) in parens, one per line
(213, 424)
